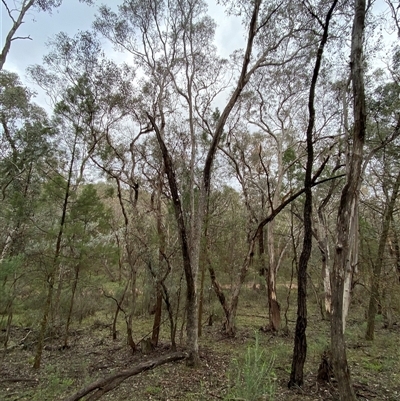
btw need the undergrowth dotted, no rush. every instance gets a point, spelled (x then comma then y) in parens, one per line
(252, 378)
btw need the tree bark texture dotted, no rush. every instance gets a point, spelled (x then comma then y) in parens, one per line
(300, 339)
(274, 309)
(348, 207)
(189, 270)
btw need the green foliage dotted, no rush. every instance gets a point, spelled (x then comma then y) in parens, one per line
(252, 377)
(10, 266)
(53, 384)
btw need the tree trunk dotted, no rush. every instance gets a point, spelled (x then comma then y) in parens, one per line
(55, 262)
(157, 316)
(26, 5)
(348, 208)
(132, 306)
(158, 276)
(71, 305)
(377, 266)
(201, 297)
(274, 309)
(351, 264)
(300, 340)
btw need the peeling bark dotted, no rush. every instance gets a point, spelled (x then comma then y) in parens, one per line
(347, 208)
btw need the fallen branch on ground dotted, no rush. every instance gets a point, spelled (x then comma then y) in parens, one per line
(107, 384)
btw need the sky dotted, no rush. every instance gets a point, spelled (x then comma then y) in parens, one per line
(73, 16)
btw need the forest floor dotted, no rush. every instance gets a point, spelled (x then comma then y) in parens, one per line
(375, 366)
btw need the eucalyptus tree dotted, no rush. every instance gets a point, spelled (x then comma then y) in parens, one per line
(26, 153)
(172, 44)
(25, 143)
(300, 342)
(278, 117)
(88, 93)
(16, 12)
(86, 241)
(348, 205)
(383, 174)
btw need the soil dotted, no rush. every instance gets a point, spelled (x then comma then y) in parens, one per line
(93, 354)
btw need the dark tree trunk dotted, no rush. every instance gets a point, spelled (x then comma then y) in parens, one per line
(157, 316)
(300, 340)
(57, 252)
(159, 279)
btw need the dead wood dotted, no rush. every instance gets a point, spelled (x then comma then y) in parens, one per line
(103, 386)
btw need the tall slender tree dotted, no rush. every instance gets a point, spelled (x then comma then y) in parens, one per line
(347, 213)
(300, 342)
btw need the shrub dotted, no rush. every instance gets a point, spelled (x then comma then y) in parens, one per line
(251, 378)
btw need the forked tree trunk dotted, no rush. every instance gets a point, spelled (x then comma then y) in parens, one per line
(348, 208)
(190, 250)
(377, 266)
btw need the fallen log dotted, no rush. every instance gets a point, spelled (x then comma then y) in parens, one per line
(103, 386)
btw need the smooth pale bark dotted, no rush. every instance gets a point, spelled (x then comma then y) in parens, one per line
(190, 246)
(348, 208)
(274, 309)
(26, 5)
(322, 237)
(7, 245)
(325, 259)
(377, 267)
(351, 265)
(300, 339)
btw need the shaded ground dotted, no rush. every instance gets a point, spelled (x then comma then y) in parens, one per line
(93, 354)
